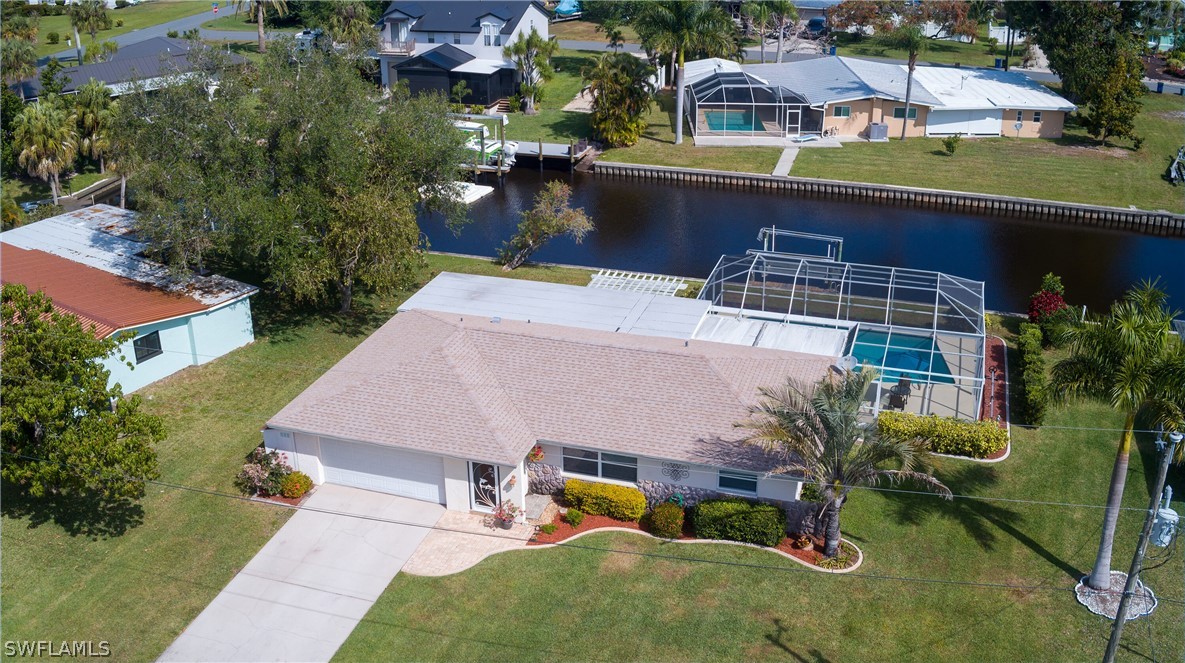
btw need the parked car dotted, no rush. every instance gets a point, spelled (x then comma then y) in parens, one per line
(816, 28)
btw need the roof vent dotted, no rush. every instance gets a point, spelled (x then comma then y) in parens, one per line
(495, 319)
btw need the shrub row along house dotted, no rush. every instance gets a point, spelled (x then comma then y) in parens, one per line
(436, 45)
(729, 103)
(481, 389)
(92, 266)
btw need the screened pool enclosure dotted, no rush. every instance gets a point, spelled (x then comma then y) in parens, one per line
(922, 331)
(735, 103)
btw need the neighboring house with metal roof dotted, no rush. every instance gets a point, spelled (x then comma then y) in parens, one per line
(446, 400)
(435, 45)
(147, 63)
(850, 94)
(91, 265)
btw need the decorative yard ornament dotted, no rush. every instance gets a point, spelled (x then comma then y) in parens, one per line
(676, 471)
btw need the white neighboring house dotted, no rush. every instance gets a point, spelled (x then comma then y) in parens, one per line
(434, 45)
(90, 265)
(446, 401)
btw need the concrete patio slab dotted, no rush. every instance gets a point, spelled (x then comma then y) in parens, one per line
(460, 541)
(300, 597)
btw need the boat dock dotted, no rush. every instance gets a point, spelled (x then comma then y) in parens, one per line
(572, 152)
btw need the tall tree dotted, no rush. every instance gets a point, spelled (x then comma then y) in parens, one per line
(64, 430)
(531, 55)
(18, 59)
(785, 14)
(613, 31)
(89, 16)
(1114, 101)
(320, 198)
(1130, 359)
(760, 16)
(864, 15)
(910, 38)
(623, 90)
(93, 110)
(48, 141)
(817, 431)
(11, 107)
(551, 217)
(259, 8)
(680, 26)
(351, 23)
(53, 80)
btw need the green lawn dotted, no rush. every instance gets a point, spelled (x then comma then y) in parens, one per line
(552, 124)
(248, 49)
(658, 148)
(939, 51)
(587, 31)
(136, 17)
(139, 589)
(581, 604)
(1071, 168)
(241, 22)
(25, 188)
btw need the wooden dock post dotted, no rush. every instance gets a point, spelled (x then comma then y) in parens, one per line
(541, 155)
(571, 155)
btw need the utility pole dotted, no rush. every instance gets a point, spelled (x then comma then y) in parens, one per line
(1138, 559)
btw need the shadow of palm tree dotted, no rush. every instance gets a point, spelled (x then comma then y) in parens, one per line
(89, 515)
(983, 521)
(778, 639)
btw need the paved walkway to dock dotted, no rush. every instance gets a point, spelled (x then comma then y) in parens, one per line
(786, 161)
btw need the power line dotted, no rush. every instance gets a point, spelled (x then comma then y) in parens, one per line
(434, 527)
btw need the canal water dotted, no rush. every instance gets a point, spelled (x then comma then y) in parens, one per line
(683, 230)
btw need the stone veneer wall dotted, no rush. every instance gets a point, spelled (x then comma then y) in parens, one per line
(544, 479)
(657, 492)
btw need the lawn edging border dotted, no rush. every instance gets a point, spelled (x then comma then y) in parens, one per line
(560, 544)
(1151, 222)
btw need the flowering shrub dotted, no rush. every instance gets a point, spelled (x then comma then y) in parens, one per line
(295, 485)
(507, 512)
(1044, 304)
(535, 454)
(265, 472)
(666, 521)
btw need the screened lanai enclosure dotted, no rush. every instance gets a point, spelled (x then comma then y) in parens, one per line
(736, 103)
(922, 331)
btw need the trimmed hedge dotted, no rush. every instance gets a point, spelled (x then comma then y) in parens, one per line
(574, 517)
(977, 439)
(1034, 382)
(603, 499)
(734, 519)
(666, 520)
(295, 485)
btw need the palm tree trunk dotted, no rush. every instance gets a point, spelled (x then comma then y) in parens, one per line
(54, 187)
(781, 38)
(1100, 575)
(262, 43)
(77, 45)
(913, 58)
(831, 545)
(761, 36)
(679, 102)
(123, 190)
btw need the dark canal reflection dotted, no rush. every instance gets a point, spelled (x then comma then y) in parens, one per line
(683, 230)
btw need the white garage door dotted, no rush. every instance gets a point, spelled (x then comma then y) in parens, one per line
(386, 470)
(966, 122)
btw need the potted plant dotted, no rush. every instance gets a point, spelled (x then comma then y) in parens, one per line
(535, 454)
(804, 542)
(505, 514)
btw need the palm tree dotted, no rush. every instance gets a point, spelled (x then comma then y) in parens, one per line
(531, 55)
(90, 16)
(258, 7)
(784, 13)
(18, 59)
(45, 135)
(21, 27)
(351, 23)
(93, 110)
(1131, 359)
(622, 90)
(912, 39)
(679, 26)
(816, 429)
(760, 16)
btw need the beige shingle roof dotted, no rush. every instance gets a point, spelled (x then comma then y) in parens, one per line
(471, 388)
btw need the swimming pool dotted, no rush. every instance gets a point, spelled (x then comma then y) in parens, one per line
(732, 120)
(901, 356)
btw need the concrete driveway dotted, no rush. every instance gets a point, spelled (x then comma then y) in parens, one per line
(300, 597)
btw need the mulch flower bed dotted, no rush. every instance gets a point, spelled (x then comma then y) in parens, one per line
(565, 531)
(290, 501)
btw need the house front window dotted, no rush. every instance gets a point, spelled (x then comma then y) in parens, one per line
(899, 113)
(489, 35)
(1036, 116)
(456, 37)
(841, 111)
(731, 481)
(1020, 116)
(602, 465)
(147, 347)
(431, 37)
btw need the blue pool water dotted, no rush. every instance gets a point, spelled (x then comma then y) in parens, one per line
(738, 120)
(901, 355)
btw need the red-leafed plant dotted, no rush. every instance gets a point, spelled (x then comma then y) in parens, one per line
(1044, 304)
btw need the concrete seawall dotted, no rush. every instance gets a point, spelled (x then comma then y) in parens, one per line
(1149, 222)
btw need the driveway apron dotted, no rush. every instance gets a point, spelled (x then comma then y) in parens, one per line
(300, 597)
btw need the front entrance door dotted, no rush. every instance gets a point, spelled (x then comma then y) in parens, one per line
(483, 483)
